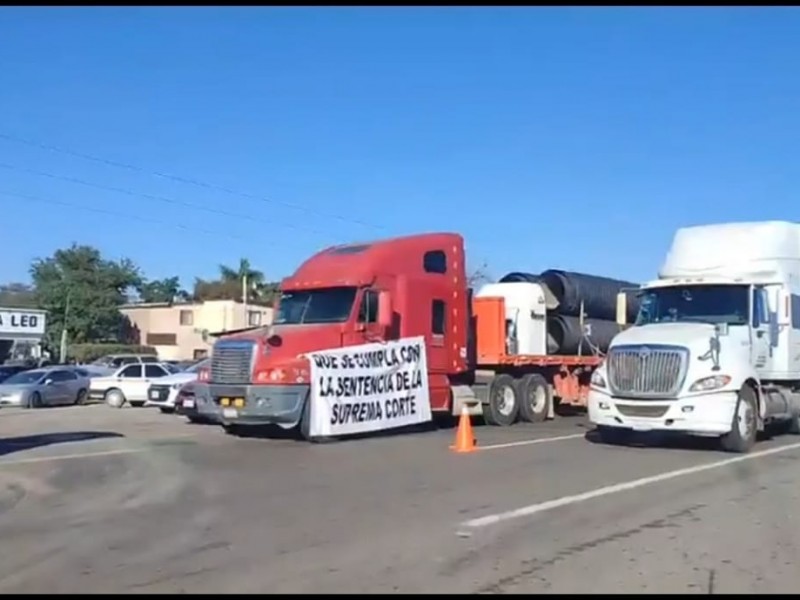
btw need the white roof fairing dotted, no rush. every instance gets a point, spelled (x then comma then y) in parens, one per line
(766, 250)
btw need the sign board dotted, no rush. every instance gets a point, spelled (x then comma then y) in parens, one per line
(14, 321)
(369, 387)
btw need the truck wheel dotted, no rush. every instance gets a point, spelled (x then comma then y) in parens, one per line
(534, 398)
(744, 428)
(305, 427)
(503, 406)
(793, 425)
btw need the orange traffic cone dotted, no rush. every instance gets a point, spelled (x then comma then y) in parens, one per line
(465, 441)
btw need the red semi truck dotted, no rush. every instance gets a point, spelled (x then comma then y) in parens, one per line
(477, 356)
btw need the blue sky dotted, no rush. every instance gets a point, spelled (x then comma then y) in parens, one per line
(550, 138)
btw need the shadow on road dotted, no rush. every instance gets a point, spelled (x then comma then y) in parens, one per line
(439, 423)
(674, 441)
(28, 442)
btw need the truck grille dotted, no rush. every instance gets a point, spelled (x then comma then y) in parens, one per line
(647, 371)
(232, 361)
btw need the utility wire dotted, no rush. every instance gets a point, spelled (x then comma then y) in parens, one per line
(103, 211)
(165, 199)
(190, 181)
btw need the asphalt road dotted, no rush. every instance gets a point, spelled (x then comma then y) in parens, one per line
(100, 500)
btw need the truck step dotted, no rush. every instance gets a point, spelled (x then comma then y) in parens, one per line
(464, 396)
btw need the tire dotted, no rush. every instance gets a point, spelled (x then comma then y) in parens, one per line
(115, 398)
(35, 401)
(535, 398)
(305, 427)
(744, 427)
(81, 398)
(613, 436)
(793, 426)
(503, 406)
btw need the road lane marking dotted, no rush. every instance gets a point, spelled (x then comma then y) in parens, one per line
(36, 459)
(558, 438)
(527, 511)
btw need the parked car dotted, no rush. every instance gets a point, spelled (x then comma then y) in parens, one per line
(189, 406)
(7, 371)
(118, 360)
(44, 387)
(128, 384)
(164, 392)
(90, 371)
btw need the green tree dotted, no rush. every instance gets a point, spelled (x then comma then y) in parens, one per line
(78, 285)
(161, 290)
(17, 295)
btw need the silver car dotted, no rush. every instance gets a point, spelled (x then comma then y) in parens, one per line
(51, 386)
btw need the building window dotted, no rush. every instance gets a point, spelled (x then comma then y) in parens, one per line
(437, 317)
(435, 261)
(161, 339)
(200, 354)
(253, 318)
(187, 317)
(368, 312)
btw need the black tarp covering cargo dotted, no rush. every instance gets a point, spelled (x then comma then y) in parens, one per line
(564, 335)
(598, 294)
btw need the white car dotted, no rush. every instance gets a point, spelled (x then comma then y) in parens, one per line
(164, 392)
(129, 383)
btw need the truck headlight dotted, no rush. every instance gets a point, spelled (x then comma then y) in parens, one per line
(706, 384)
(597, 379)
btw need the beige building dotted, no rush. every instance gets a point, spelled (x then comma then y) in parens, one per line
(184, 331)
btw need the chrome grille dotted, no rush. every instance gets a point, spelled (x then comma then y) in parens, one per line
(232, 361)
(650, 410)
(647, 371)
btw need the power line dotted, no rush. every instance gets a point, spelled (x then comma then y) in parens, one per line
(190, 181)
(215, 234)
(164, 199)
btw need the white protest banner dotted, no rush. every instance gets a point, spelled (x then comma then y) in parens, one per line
(369, 387)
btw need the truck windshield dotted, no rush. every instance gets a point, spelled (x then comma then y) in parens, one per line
(695, 304)
(325, 305)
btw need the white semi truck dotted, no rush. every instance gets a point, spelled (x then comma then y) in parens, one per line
(715, 349)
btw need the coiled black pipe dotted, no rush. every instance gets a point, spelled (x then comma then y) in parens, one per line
(564, 335)
(598, 294)
(517, 277)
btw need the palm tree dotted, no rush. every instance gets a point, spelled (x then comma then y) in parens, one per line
(255, 278)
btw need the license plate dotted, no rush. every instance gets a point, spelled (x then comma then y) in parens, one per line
(230, 413)
(188, 403)
(153, 395)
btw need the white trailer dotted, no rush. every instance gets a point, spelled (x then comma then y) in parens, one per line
(715, 350)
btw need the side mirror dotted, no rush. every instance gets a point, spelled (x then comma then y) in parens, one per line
(48, 381)
(622, 309)
(385, 313)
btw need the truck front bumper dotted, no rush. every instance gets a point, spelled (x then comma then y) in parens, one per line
(202, 405)
(699, 414)
(259, 404)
